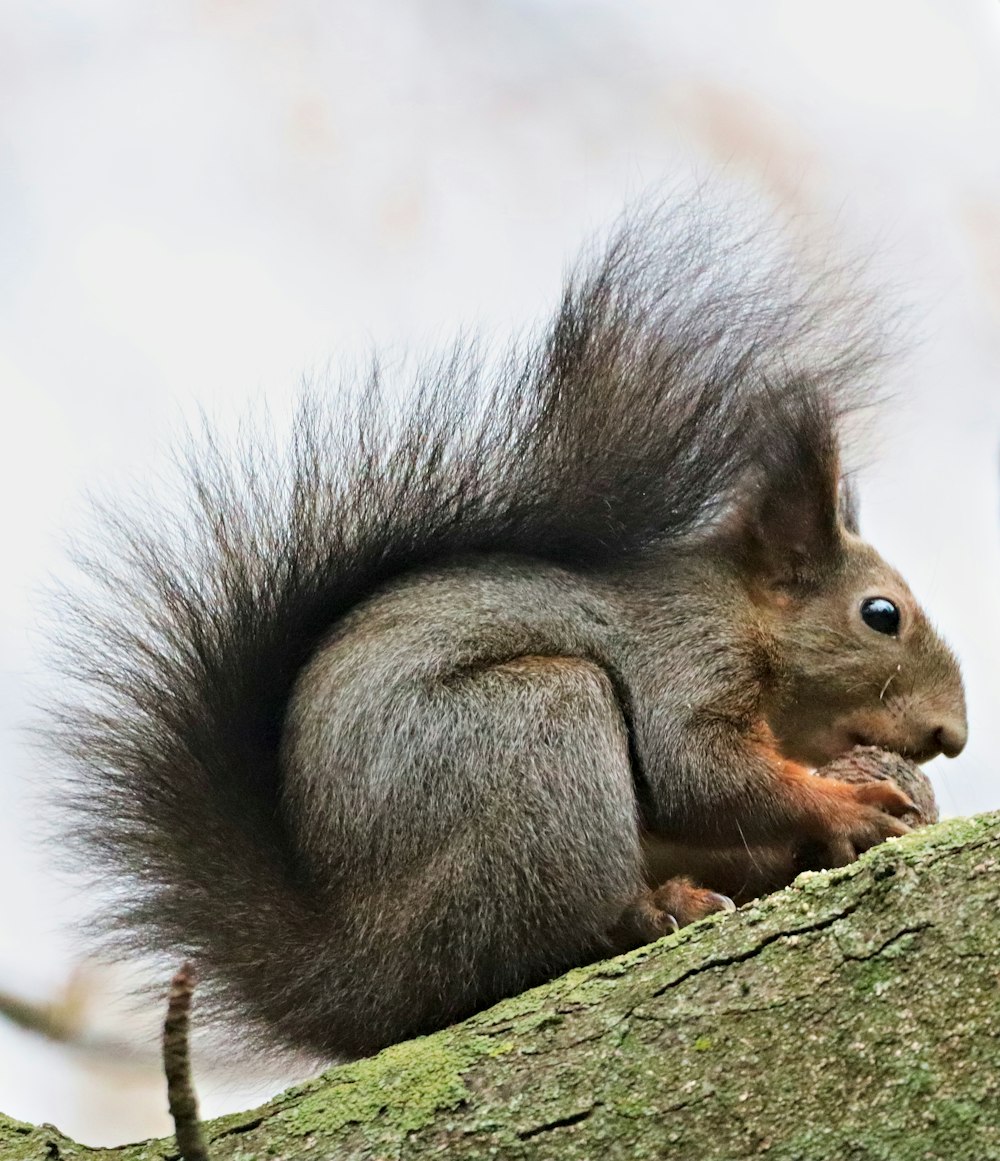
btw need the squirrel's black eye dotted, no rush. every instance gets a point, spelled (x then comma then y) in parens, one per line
(880, 614)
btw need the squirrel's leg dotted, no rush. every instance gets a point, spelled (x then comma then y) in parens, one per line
(745, 871)
(483, 835)
(742, 872)
(580, 726)
(731, 787)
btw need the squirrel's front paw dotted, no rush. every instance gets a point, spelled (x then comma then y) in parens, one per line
(664, 909)
(871, 764)
(850, 818)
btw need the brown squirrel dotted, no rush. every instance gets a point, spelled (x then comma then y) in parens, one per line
(399, 721)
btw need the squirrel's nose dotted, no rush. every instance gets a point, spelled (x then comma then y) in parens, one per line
(950, 738)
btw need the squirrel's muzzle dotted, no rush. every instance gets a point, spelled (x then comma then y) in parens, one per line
(950, 738)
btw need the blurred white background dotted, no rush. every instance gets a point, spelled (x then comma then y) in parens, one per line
(203, 200)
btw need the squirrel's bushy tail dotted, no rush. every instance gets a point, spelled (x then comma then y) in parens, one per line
(674, 358)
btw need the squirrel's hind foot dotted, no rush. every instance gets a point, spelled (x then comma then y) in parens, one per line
(664, 909)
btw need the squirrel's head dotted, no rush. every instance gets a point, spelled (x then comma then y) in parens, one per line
(856, 659)
(861, 665)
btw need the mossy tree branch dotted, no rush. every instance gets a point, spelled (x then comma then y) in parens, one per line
(854, 1015)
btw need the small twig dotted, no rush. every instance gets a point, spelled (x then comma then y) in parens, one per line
(177, 1066)
(50, 1019)
(65, 1018)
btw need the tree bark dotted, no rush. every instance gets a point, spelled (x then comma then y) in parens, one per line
(852, 1017)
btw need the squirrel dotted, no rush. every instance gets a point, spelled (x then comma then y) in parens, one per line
(433, 705)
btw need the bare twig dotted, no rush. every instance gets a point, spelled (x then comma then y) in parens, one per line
(177, 1066)
(66, 1018)
(50, 1019)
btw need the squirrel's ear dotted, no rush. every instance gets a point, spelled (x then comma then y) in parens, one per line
(787, 525)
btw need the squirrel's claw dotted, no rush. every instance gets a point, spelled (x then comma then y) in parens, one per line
(664, 910)
(887, 797)
(688, 902)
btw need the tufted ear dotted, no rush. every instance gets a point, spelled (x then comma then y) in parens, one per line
(787, 524)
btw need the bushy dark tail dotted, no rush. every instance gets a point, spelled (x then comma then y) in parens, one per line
(629, 422)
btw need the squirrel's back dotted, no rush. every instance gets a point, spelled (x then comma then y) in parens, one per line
(677, 360)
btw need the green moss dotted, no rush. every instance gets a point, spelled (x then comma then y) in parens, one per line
(15, 1139)
(22, 1142)
(874, 976)
(847, 1017)
(403, 1087)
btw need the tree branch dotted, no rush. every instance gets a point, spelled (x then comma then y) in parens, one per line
(854, 1015)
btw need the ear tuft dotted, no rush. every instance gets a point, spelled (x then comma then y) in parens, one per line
(787, 525)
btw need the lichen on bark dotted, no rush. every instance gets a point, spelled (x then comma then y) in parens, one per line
(852, 1017)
